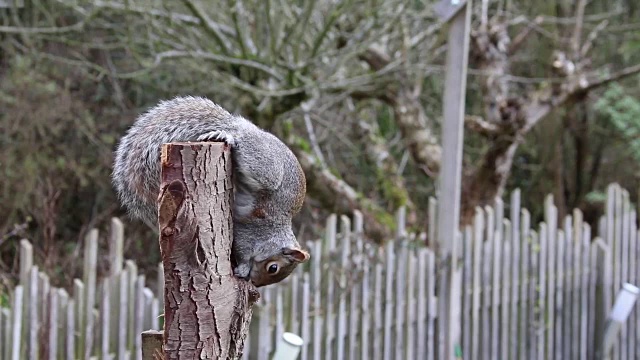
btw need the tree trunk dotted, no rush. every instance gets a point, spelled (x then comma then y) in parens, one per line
(487, 182)
(207, 309)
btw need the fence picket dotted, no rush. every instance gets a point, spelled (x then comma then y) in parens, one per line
(633, 327)
(148, 299)
(388, 300)
(89, 281)
(399, 304)
(26, 263)
(353, 315)
(410, 310)
(5, 333)
(541, 325)
(123, 282)
(636, 320)
(279, 308)
(304, 322)
(105, 316)
(32, 342)
(585, 296)
(294, 301)
(567, 337)
(15, 330)
(505, 302)
(515, 336)
(558, 303)
(356, 316)
(496, 262)
(467, 290)
(365, 309)
(330, 314)
(478, 241)
(432, 309)
(622, 263)
(52, 341)
(576, 296)
(485, 344)
(78, 295)
(131, 269)
(317, 300)
(345, 227)
(63, 303)
(377, 310)
(139, 316)
(528, 276)
(70, 341)
(551, 218)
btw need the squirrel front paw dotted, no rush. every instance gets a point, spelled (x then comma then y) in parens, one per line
(218, 135)
(242, 271)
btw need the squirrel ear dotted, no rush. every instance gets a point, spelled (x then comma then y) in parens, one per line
(298, 255)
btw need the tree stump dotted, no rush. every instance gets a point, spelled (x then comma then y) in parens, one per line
(207, 310)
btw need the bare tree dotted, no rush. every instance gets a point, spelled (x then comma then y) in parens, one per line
(309, 70)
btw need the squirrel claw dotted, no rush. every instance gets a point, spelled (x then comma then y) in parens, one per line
(242, 271)
(218, 135)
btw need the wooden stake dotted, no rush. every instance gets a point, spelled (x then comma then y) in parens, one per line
(207, 309)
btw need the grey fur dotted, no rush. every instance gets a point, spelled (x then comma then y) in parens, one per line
(267, 174)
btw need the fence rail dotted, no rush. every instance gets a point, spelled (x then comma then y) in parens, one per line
(539, 292)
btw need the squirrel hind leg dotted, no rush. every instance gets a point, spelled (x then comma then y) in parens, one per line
(220, 135)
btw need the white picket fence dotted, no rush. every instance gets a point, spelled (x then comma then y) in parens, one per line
(540, 293)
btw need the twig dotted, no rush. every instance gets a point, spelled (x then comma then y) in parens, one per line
(591, 38)
(212, 27)
(519, 39)
(313, 139)
(480, 126)
(577, 32)
(218, 58)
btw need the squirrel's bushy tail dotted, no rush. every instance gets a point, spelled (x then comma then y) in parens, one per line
(136, 171)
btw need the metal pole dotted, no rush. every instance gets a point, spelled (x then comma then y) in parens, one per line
(459, 11)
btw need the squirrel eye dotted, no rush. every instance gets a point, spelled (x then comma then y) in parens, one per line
(272, 268)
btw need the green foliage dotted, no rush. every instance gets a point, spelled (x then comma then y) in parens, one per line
(596, 197)
(56, 146)
(623, 112)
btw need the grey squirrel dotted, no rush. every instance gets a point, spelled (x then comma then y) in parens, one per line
(269, 184)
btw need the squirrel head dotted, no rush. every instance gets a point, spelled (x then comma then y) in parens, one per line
(266, 252)
(276, 267)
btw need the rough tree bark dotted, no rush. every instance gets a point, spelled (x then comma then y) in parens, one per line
(207, 309)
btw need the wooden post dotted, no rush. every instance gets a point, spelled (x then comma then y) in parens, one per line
(152, 345)
(207, 310)
(458, 12)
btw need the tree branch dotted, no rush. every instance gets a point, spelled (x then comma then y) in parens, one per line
(212, 27)
(161, 14)
(591, 38)
(43, 30)
(375, 58)
(577, 32)
(338, 196)
(522, 36)
(480, 126)
(619, 75)
(218, 58)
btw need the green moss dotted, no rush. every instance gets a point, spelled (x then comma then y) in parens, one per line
(381, 216)
(395, 195)
(302, 144)
(287, 128)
